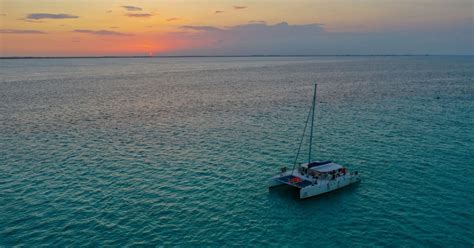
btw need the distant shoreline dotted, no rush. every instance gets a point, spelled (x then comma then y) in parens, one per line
(221, 56)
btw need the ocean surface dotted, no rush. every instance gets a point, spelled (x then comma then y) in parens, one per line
(178, 151)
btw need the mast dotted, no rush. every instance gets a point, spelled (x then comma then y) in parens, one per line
(312, 123)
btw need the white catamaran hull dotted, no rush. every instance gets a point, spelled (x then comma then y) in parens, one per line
(328, 186)
(318, 188)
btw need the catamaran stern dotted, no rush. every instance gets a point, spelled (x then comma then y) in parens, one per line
(324, 187)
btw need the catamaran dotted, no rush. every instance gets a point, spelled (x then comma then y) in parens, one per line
(314, 177)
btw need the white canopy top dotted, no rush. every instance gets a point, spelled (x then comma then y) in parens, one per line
(327, 167)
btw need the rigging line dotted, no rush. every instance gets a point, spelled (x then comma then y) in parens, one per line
(301, 142)
(312, 124)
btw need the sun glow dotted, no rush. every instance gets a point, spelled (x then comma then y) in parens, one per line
(141, 27)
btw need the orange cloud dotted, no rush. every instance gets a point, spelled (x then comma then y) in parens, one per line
(145, 15)
(37, 16)
(20, 31)
(131, 8)
(100, 32)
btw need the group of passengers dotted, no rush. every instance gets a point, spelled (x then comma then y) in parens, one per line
(331, 175)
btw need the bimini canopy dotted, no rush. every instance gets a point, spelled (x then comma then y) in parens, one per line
(327, 167)
(314, 164)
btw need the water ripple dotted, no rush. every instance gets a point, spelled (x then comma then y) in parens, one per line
(177, 152)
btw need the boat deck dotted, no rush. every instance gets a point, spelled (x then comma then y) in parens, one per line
(294, 181)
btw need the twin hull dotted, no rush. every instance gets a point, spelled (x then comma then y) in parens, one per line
(321, 187)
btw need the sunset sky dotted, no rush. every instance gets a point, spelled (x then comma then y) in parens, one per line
(153, 27)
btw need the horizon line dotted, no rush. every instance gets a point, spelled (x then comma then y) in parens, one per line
(217, 56)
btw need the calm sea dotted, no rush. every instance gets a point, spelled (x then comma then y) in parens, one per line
(178, 151)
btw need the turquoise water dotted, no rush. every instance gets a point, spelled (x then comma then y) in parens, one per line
(177, 151)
